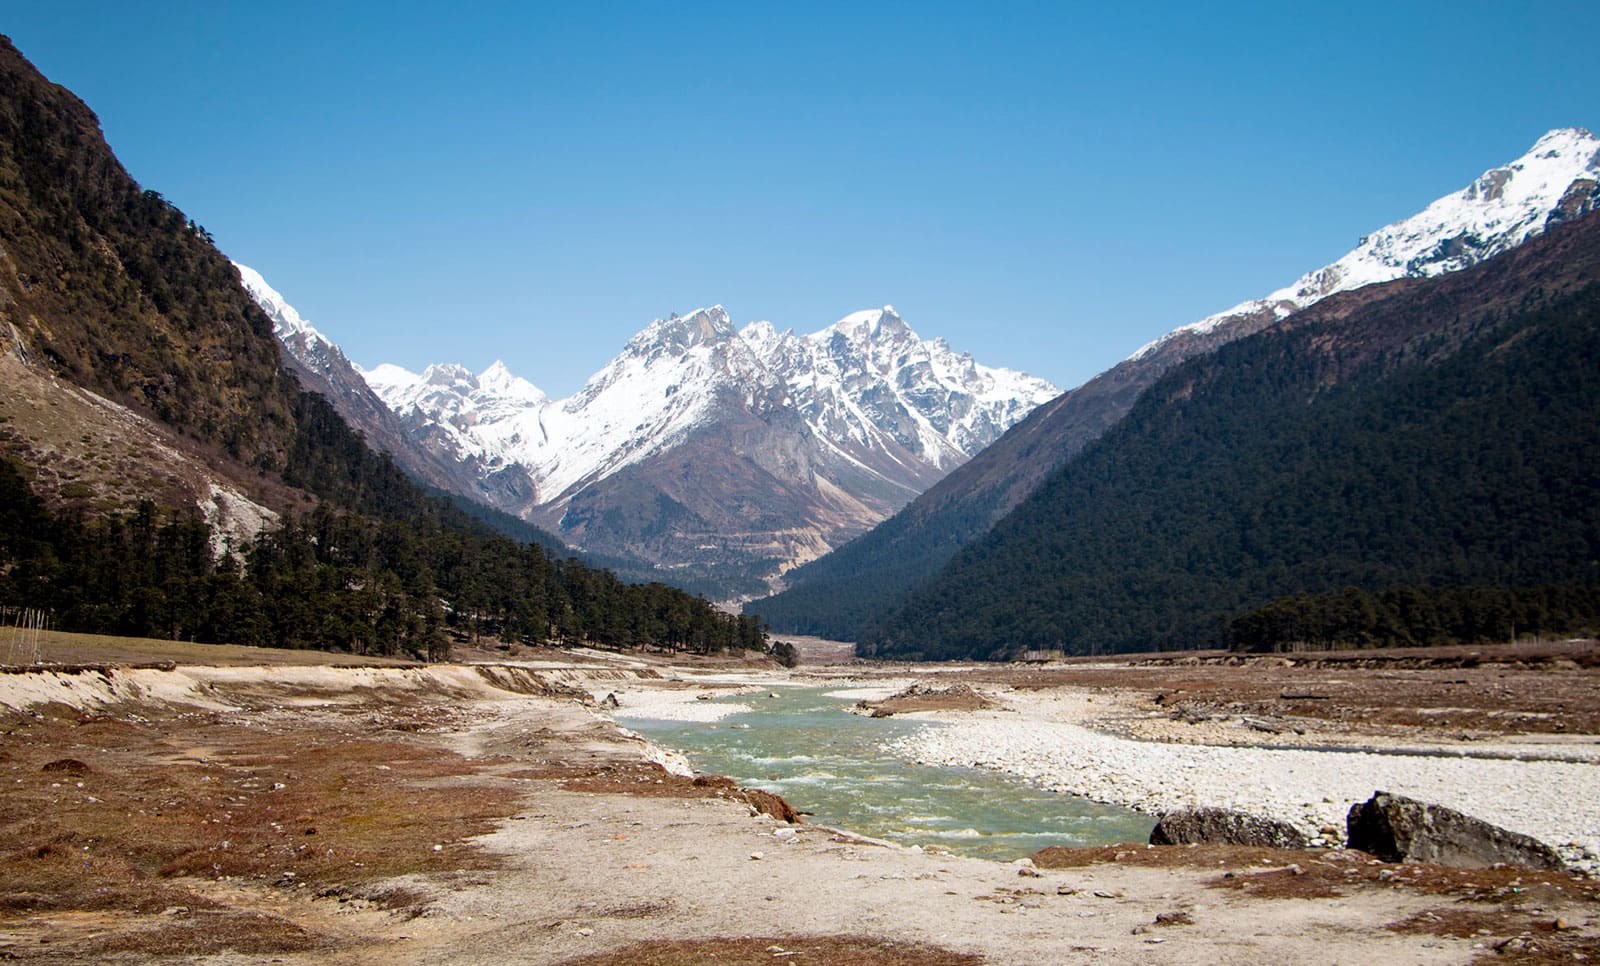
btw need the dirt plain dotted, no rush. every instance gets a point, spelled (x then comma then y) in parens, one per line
(491, 815)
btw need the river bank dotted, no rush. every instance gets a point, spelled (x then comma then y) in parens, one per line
(485, 815)
(1063, 740)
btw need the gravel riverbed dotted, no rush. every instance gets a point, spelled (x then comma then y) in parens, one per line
(1556, 802)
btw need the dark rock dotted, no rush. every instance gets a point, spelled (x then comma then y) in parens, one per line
(770, 804)
(611, 701)
(1218, 826)
(1399, 829)
(67, 766)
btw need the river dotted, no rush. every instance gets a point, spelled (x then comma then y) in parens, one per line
(809, 748)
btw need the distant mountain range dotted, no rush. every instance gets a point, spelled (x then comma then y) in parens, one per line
(718, 456)
(846, 593)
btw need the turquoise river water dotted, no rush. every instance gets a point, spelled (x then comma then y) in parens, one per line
(808, 748)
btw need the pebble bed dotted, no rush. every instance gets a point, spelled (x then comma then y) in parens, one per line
(1556, 802)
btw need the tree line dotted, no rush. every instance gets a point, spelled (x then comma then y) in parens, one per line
(335, 580)
(1417, 616)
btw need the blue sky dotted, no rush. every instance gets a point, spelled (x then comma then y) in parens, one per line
(1045, 185)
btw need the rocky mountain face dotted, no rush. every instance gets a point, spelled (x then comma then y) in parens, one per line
(711, 452)
(841, 594)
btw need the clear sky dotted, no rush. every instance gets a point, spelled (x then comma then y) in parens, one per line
(1046, 185)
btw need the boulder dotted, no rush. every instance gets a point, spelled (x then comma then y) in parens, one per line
(1219, 826)
(1399, 829)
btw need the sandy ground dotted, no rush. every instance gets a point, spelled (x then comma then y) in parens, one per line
(577, 848)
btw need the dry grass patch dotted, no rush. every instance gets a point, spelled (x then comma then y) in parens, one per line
(62, 647)
(1491, 690)
(1306, 874)
(748, 951)
(126, 814)
(1313, 875)
(203, 934)
(1165, 856)
(1506, 935)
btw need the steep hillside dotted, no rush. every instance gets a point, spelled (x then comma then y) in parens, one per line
(844, 593)
(1433, 431)
(112, 298)
(162, 475)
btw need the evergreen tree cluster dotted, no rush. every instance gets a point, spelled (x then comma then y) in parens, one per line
(1411, 616)
(332, 580)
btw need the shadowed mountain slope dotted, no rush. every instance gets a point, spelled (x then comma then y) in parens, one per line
(1440, 431)
(845, 593)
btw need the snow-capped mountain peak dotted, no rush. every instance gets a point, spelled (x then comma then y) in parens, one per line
(698, 441)
(900, 410)
(678, 333)
(499, 381)
(872, 323)
(388, 377)
(286, 322)
(1558, 178)
(869, 384)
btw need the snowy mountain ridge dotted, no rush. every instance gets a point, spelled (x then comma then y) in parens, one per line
(1558, 178)
(898, 407)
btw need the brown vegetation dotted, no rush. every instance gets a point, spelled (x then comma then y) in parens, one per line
(1310, 873)
(1551, 688)
(1506, 936)
(153, 817)
(748, 951)
(649, 780)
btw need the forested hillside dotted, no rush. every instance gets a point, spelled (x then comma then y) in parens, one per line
(848, 591)
(107, 287)
(115, 290)
(1435, 432)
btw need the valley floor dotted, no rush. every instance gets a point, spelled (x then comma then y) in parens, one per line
(489, 814)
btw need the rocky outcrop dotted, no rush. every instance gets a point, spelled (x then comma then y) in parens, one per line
(1220, 826)
(1399, 829)
(764, 802)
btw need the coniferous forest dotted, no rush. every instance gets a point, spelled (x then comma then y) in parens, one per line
(332, 580)
(1429, 434)
(1417, 616)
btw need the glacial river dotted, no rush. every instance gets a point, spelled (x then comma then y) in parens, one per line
(808, 748)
